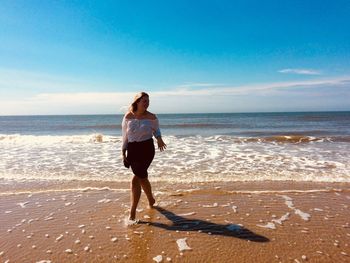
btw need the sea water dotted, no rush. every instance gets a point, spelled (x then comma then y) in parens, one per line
(303, 146)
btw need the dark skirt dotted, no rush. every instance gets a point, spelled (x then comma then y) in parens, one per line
(139, 156)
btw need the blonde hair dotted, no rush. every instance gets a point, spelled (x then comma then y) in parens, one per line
(137, 98)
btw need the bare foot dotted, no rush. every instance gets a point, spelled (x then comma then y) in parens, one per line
(151, 202)
(131, 222)
(132, 215)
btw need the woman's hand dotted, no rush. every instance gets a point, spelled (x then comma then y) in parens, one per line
(123, 154)
(161, 144)
(125, 160)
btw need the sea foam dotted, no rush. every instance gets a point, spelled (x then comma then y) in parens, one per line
(187, 159)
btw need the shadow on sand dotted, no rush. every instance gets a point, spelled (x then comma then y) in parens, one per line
(185, 224)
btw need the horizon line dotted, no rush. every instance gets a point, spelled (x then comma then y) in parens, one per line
(183, 113)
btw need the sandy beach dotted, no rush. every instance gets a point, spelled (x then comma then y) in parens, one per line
(238, 113)
(216, 222)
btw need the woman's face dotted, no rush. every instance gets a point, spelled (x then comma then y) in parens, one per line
(143, 103)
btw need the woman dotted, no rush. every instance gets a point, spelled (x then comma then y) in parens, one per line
(139, 126)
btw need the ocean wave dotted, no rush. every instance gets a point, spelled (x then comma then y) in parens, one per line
(87, 127)
(279, 139)
(295, 139)
(199, 125)
(102, 138)
(289, 139)
(187, 158)
(49, 139)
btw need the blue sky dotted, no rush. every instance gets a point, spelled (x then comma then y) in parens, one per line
(77, 57)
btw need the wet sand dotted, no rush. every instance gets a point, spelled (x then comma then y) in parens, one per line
(216, 222)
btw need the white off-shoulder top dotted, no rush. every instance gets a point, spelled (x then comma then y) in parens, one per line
(138, 130)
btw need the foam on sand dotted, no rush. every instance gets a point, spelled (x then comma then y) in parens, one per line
(272, 224)
(188, 214)
(181, 243)
(234, 208)
(23, 204)
(210, 206)
(281, 219)
(104, 201)
(303, 215)
(130, 222)
(60, 237)
(290, 204)
(269, 225)
(158, 258)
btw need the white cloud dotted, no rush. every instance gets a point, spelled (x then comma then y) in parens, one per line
(300, 71)
(254, 89)
(195, 97)
(68, 103)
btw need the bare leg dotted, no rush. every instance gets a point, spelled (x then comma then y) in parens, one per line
(135, 196)
(146, 186)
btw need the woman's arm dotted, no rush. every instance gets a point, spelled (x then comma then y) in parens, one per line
(125, 137)
(161, 143)
(158, 135)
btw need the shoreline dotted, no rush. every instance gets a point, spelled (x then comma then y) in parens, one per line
(274, 221)
(8, 186)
